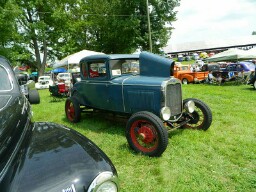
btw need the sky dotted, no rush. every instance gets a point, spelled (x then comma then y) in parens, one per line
(202, 20)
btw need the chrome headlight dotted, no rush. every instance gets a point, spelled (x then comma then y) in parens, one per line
(190, 106)
(104, 182)
(165, 113)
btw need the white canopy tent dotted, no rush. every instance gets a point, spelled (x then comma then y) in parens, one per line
(74, 58)
(228, 55)
(251, 53)
(233, 55)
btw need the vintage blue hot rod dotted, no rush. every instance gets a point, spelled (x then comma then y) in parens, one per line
(45, 156)
(143, 88)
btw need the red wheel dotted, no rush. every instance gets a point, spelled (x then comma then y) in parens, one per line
(72, 110)
(146, 134)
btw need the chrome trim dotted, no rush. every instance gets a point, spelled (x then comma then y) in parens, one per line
(10, 78)
(164, 85)
(6, 102)
(123, 91)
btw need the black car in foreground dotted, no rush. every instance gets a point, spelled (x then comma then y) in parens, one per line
(45, 156)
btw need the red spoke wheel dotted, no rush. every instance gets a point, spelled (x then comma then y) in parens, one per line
(72, 109)
(146, 134)
(201, 118)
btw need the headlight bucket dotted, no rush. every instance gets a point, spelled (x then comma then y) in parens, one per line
(190, 106)
(104, 182)
(165, 113)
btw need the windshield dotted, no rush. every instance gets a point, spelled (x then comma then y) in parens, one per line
(119, 67)
(5, 83)
(44, 78)
(251, 66)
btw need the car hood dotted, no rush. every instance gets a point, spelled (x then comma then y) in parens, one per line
(54, 158)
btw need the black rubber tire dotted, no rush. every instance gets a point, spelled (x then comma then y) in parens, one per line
(202, 115)
(33, 96)
(184, 81)
(153, 130)
(254, 85)
(72, 110)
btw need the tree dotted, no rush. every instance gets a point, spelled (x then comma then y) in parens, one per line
(42, 30)
(121, 26)
(32, 30)
(8, 32)
(254, 33)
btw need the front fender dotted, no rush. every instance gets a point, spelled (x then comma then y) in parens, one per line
(53, 158)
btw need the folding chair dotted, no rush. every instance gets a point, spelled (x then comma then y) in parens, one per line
(54, 91)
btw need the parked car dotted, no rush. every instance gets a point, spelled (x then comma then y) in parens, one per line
(45, 156)
(44, 82)
(246, 67)
(34, 76)
(231, 71)
(252, 79)
(64, 76)
(186, 75)
(149, 96)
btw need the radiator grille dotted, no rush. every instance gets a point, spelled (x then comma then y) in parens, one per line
(174, 98)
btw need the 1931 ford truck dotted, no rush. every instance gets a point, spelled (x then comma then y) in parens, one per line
(143, 88)
(45, 156)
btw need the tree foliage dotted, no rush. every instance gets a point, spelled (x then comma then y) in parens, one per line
(36, 31)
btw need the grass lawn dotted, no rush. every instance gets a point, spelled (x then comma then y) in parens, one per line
(222, 158)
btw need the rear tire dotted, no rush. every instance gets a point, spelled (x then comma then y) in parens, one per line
(33, 96)
(184, 81)
(146, 134)
(72, 110)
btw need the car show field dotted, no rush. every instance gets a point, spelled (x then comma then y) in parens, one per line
(221, 159)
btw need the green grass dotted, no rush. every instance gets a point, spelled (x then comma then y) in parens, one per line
(222, 158)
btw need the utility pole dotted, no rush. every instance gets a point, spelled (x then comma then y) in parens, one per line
(149, 29)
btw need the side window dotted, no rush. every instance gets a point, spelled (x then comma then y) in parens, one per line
(239, 67)
(97, 69)
(230, 68)
(5, 83)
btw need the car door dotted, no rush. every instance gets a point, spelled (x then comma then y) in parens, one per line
(96, 85)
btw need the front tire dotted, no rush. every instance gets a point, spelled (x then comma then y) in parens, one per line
(146, 134)
(72, 109)
(201, 118)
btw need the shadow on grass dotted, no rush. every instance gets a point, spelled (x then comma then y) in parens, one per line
(100, 122)
(249, 88)
(105, 122)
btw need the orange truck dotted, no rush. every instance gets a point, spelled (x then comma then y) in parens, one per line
(186, 76)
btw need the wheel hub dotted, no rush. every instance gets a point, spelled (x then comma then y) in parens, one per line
(146, 134)
(194, 117)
